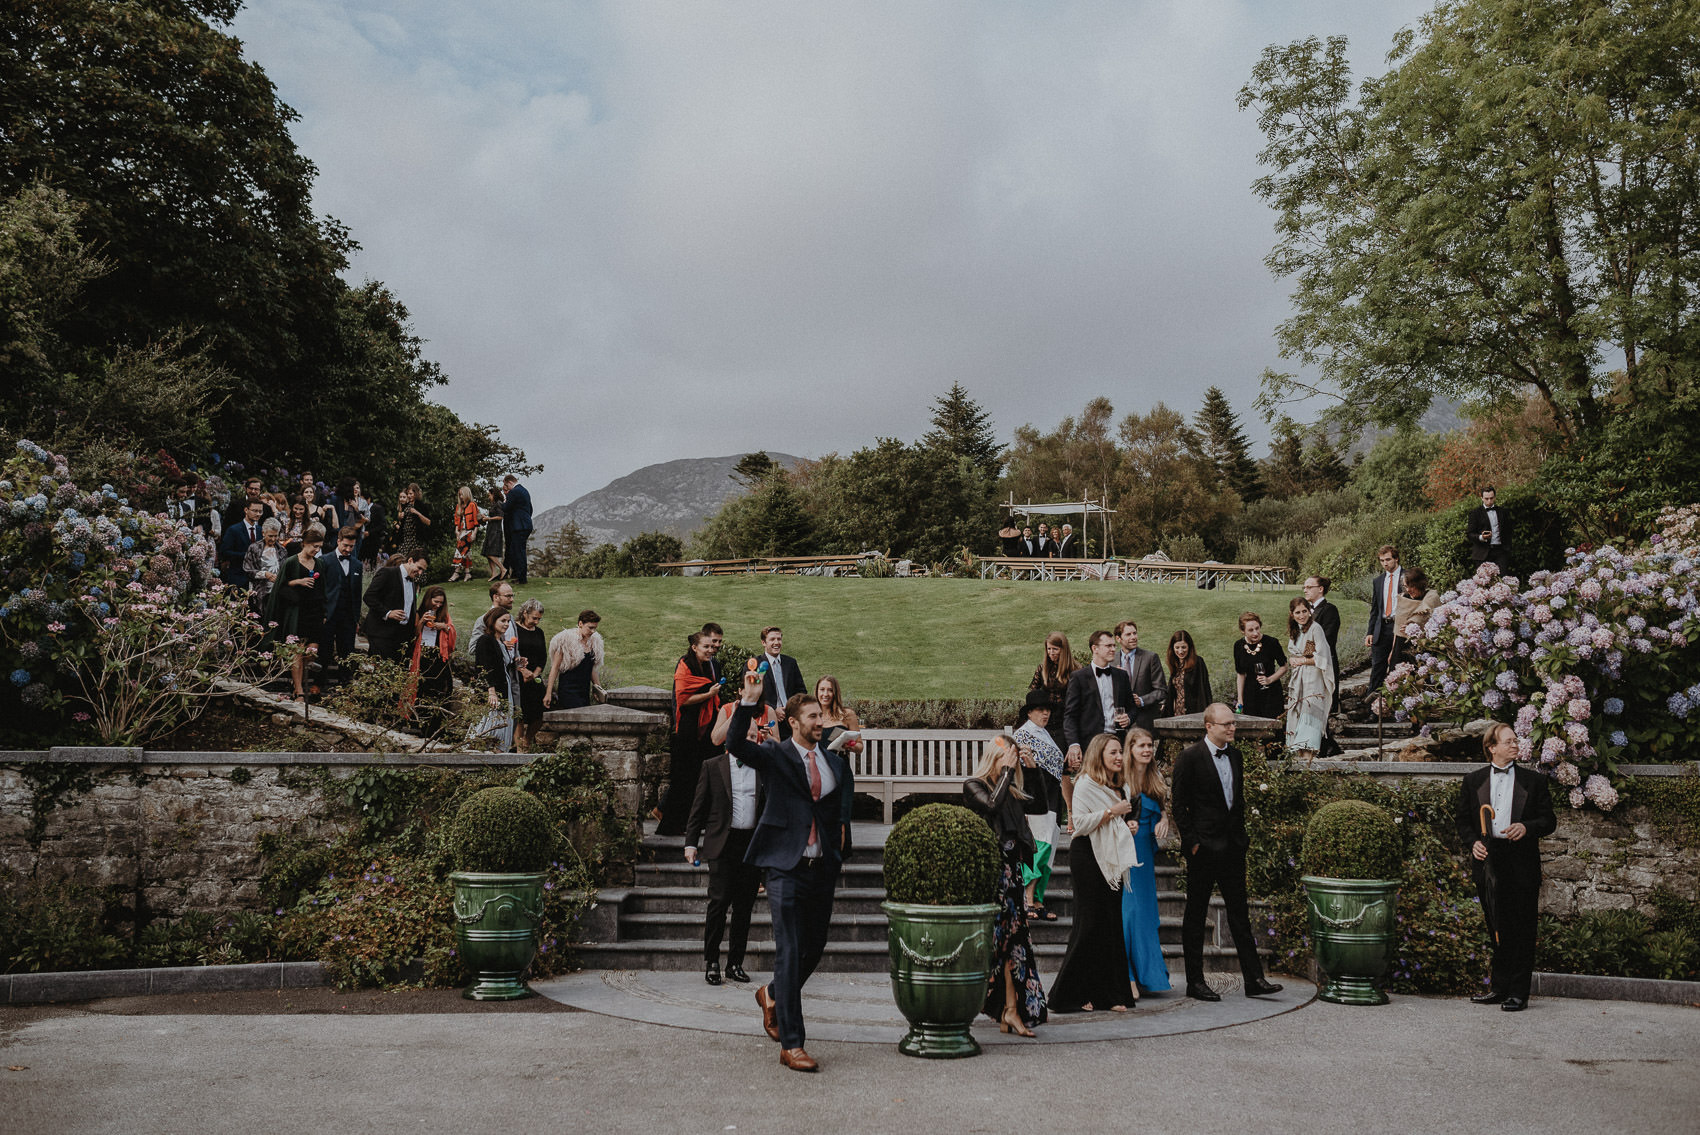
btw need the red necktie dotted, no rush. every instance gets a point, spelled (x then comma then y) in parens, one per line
(814, 788)
(1390, 594)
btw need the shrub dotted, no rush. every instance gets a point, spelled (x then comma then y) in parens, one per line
(1609, 942)
(1672, 955)
(1352, 839)
(48, 928)
(941, 855)
(502, 830)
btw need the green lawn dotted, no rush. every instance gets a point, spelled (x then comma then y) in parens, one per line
(893, 638)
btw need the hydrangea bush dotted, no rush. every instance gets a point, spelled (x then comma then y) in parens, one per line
(1592, 665)
(112, 623)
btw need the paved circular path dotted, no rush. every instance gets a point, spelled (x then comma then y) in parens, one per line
(859, 1007)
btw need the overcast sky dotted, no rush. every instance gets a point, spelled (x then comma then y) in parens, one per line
(633, 232)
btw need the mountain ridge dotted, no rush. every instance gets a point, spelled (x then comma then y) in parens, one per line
(676, 497)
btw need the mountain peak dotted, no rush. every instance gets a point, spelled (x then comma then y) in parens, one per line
(673, 496)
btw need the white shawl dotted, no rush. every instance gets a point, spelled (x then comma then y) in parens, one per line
(570, 647)
(1112, 843)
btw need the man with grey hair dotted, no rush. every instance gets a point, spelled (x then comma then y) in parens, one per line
(1068, 548)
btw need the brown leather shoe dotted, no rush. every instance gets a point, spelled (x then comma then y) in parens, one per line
(769, 1013)
(798, 1060)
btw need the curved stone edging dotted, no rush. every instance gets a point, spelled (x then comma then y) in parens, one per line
(1592, 987)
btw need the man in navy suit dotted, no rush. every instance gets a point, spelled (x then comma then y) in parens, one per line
(783, 678)
(801, 839)
(1383, 602)
(516, 522)
(340, 569)
(233, 545)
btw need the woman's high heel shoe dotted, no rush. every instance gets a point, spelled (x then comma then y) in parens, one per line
(1011, 1022)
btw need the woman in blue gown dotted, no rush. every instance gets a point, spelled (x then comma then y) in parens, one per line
(1140, 918)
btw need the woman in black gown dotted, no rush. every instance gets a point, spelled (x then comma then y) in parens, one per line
(1189, 678)
(533, 658)
(1259, 663)
(493, 547)
(297, 605)
(997, 791)
(575, 657)
(1094, 972)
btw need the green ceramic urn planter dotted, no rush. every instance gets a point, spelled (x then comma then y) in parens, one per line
(1353, 934)
(941, 875)
(941, 961)
(501, 839)
(1352, 861)
(496, 920)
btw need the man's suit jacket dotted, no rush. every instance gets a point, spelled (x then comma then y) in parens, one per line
(711, 811)
(1378, 622)
(383, 595)
(1327, 616)
(1531, 806)
(1047, 547)
(516, 510)
(1202, 814)
(341, 601)
(1146, 678)
(1083, 708)
(791, 674)
(1481, 549)
(232, 547)
(1068, 548)
(782, 832)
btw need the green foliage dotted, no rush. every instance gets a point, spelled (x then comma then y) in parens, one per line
(1673, 955)
(502, 830)
(876, 567)
(963, 429)
(1534, 534)
(581, 795)
(1225, 445)
(1389, 204)
(941, 855)
(636, 557)
(938, 713)
(1394, 474)
(52, 786)
(1609, 942)
(382, 796)
(45, 928)
(1352, 839)
(1345, 548)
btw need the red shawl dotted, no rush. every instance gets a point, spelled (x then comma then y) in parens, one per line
(688, 684)
(445, 644)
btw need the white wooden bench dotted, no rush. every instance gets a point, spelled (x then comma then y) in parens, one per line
(895, 763)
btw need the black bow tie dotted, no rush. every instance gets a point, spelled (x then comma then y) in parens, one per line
(1499, 771)
(1104, 671)
(343, 560)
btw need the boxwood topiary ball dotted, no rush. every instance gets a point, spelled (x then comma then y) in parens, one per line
(502, 830)
(942, 855)
(1352, 839)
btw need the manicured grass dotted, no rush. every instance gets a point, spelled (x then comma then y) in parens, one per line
(893, 638)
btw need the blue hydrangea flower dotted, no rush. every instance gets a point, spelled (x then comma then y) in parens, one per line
(1617, 738)
(1614, 706)
(20, 678)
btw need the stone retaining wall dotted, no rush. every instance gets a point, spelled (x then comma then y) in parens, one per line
(177, 831)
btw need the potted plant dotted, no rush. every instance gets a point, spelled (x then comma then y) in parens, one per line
(501, 840)
(941, 878)
(1352, 868)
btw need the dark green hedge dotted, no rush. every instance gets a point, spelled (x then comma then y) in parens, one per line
(502, 829)
(1352, 839)
(941, 855)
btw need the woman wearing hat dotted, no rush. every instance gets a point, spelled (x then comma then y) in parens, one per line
(1033, 737)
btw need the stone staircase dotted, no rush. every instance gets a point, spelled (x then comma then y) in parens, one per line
(657, 924)
(1365, 741)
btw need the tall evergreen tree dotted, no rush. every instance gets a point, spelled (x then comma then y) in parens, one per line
(962, 428)
(753, 468)
(1325, 463)
(1285, 473)
(1225, 444)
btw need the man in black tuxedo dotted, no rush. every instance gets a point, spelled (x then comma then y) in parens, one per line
(1047, 547)
(801, 839)
(1144, 675)
(1029, 546)
(1486, 531)
(1385, 590)
(233, 546)
(1506, 862)
(341, 571)
(784, 678)
(516, 526)
(1209, 811)
(389, 606)
(1068, 548)
(723, 818)
(1098, 698)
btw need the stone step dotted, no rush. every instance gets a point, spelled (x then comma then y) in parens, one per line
(850, 901)
(839, 957)
(845, 927)
(854, 874)
(1366, 730)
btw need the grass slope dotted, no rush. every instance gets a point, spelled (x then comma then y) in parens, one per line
(893, 638)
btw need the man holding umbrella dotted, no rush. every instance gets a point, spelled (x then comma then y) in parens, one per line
(1503, 811)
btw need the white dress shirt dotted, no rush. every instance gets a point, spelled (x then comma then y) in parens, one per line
(406, 593)
(743, 796)
(827, 783)
(1106, 697)
(1501, 785)
(1493, 526)
(1224, 770)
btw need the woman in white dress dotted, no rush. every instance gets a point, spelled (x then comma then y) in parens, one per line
(1310, 688)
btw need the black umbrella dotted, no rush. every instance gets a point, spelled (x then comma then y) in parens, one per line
(1485, 816)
